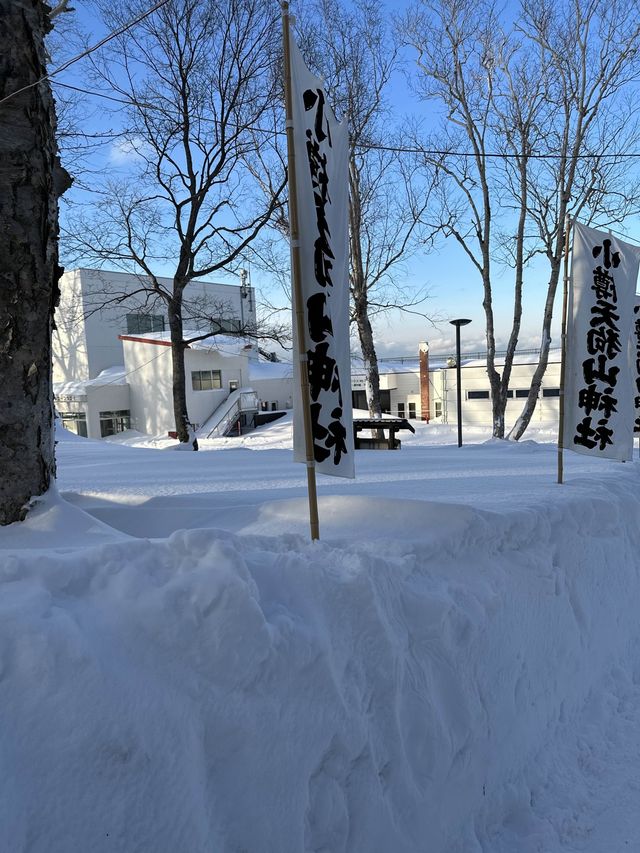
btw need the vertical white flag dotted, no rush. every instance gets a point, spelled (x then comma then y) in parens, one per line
(321, 162)
(599, 393)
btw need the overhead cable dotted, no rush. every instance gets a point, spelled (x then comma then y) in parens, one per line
(109, 37)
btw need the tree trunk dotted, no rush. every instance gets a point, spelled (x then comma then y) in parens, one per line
(370, 359)
(359, 294)
(498, 398)
(31, 179)
(525, 416)
(184, 428)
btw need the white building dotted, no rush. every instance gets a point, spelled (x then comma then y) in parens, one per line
(112, 365)
(101, 382)
(96, 307)
(425, 388)
(218, 370)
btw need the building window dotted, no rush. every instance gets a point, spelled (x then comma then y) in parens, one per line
(509, 394)
(114, 422)
(74, 422)
(412, 411)
(550, 392)
(140, 324)
(206, 380)
(225, 325)
(438, 409)
(477, 395)
(359, 399)
(400, 410)
(521, 393)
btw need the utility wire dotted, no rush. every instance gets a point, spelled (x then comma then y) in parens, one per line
(367, 146)
(361, 145)
(109, 37)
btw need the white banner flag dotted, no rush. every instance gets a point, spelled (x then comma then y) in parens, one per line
(321, 162)
(599, 393)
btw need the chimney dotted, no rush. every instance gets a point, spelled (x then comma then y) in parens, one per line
(424, 380)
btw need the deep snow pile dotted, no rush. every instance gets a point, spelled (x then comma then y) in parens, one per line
(446, 676)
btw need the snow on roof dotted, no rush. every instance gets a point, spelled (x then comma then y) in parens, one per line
(223, 344)
(440, 362)
(270, 370)
(110, 376)
(407, 365)
(528, 358)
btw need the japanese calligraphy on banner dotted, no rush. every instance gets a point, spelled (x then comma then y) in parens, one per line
(599, 410)
(321, 163)
(635, 360)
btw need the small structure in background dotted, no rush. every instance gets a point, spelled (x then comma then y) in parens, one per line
(379, 425)
(458, 323)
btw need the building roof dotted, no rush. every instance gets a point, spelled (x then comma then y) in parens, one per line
(270, 370)
(110, 376)
(140, 276)
(222, 344)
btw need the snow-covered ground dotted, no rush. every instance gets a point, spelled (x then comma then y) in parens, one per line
(453, 668)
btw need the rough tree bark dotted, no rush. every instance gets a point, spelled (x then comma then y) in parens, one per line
(31, 180)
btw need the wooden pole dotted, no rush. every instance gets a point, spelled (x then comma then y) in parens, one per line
(565, 302)
(296, 276)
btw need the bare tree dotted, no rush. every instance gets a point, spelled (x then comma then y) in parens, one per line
(200, 80)
(357, 54)
(536, 127)
(77, 131)
(31, 179)
(591, 52)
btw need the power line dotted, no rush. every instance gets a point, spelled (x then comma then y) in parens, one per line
(396, 149)
(487, 154)
(102, 95)
(367, 146)
(113, 34)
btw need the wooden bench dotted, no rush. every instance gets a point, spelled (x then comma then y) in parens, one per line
(392, 425)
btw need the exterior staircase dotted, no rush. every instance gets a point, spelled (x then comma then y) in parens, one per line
(239, 403)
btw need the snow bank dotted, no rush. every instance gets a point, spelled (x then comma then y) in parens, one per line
(214, 692)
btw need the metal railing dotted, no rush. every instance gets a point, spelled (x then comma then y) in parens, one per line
(228, 413)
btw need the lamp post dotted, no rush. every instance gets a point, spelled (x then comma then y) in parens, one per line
(457, 324)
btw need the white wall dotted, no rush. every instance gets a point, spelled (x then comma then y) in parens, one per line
(279, 391)
(149, 374)
(478, 412)
(105, 398)
(70, 355)
(148, 368)
(96, 399)
(87, 341)
(404, 387)
(202, 404)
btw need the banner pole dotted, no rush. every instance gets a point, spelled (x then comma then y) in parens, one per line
(563, 358)
(296, 277)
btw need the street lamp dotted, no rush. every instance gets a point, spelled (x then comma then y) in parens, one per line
(457, 324)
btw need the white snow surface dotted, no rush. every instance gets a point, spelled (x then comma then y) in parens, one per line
(453, 668)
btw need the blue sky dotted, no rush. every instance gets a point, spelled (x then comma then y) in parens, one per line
(453, 284)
